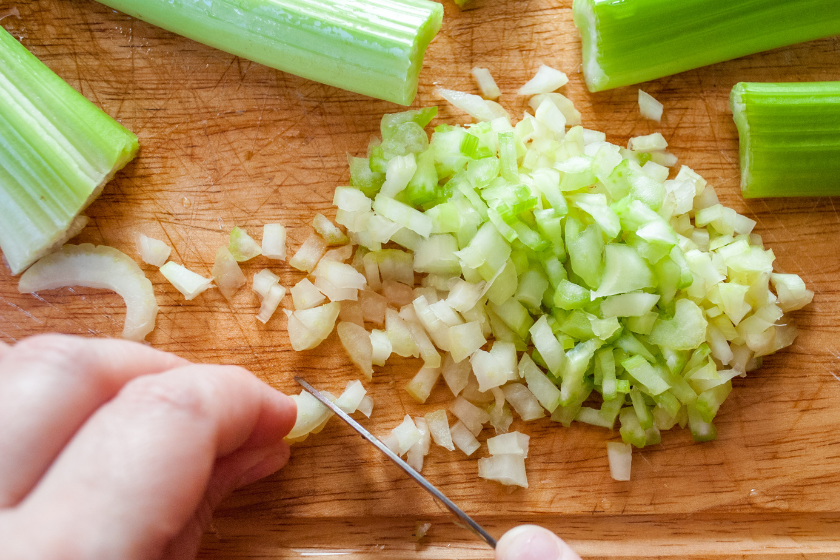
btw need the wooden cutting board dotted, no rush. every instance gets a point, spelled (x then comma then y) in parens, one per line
(228, 142)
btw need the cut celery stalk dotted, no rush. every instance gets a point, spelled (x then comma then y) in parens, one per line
(372, 47)
(57, 151)
(635, 41)
(789, 138)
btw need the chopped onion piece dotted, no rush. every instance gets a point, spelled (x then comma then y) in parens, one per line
(512, 443)
(350, 199)
(305, 295)
(421, 385)
(488, 371)
(242, 246)
(620, 456)
(396, 293)
(381, 347)
(650, 143)
(310, 327)
(339, 274)
(399, 334)
(650, 107)
(334, 293)
(226, 273)
(506, 469)
(406, 435)
(523, 401)
(309, 253)
(98, 267)
(546, 80)
(340, 254)
(400, 171)
(421, 530)
(352, 397)
(351, 312)
(473, 417)
(565, 106)
(420, 449)
(464, 295)
(185, 281)
(505, 355)
(366, 406)
(328, 230)
(438, 424)
(356, 342)
(373, 307)
(473, 105)
(456, 374)
(541, 386)
(311, 413)
(270, 302)
(463, 438)
(263, 281)
(465, 339)
(274, 241)
(152, 251)
(486, 83)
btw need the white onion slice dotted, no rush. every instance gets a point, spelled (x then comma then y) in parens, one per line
(310, 252)
(406, 435)
(512, 443)
(486, 83)
(438, 424)
(472, 417)
(306, 296)
(650, 107)
(523, 401)
(270, 302)
(242, 246)
(185, 281)
(421, 385)
(263, 281)
(311, 413)
(328, 230)
(402, 343)
(373, 307)
(620, 457)
(546, 80)
(381, 347)
(420, 449)
(226, 273)
(310, 327)
(366, 406)
(473, 105)
(356, 342)
(274, 241)
(456, 374)
(152, 251)
(463, 439)
(650, 143)
(505, 469)
(98, 267)
(565, 105)
(352, 397)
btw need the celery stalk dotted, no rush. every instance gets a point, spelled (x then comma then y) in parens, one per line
(57, 151)
(635, 41)
(372, 47)
(790, 138)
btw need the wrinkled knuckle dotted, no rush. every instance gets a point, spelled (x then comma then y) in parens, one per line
(168, 394)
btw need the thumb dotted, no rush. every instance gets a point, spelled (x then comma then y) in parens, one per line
(530, 542)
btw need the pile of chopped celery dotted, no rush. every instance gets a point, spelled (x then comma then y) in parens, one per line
(616, 290)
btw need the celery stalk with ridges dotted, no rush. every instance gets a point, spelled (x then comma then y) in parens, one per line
(372, 47)
(789, 137)
(633, 41)
(57, 151)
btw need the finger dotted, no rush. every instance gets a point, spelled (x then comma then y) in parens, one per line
(133, 476)
(530, 542)
(241, 468)
(49, 386)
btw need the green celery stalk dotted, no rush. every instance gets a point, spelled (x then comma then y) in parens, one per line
(57, 151)
(372, 47)
(632, 41)
(789, 138)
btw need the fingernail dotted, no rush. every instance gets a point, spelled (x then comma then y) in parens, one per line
(265, 464)
(530, 542)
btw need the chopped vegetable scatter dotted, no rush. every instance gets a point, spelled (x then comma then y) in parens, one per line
(541, 270)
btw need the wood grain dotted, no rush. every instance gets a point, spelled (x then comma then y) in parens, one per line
(227, 142)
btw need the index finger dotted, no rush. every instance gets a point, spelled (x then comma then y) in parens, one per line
(49, 386)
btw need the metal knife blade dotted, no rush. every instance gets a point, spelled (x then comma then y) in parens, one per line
(430, 488)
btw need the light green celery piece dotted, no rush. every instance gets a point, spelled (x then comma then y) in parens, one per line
(685, 331)
(57, 151)
(789, 137)
(633, 41)
(372, 47)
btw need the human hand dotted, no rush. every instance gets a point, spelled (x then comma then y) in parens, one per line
(110, 449)
(530, 542)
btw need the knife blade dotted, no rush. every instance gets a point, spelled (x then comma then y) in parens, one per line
(470, 523)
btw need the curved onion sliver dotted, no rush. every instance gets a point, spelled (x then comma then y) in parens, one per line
(98, 267)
